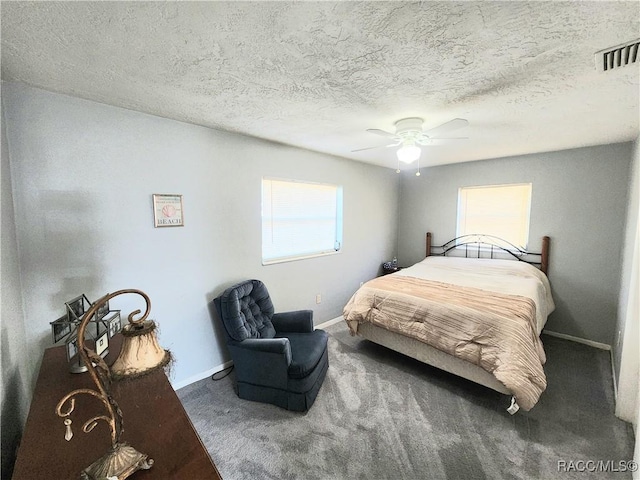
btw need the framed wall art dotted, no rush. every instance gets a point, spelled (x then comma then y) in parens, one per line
(167, 210)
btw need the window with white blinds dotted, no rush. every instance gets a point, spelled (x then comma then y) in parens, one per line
(300, 220)
(500, 210)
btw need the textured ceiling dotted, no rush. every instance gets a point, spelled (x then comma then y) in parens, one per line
(318, 74)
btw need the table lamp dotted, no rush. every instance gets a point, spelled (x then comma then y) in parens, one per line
(121, 460)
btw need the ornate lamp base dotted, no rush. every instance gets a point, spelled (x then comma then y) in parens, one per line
(118, 464)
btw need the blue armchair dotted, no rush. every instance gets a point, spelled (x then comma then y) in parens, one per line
(278, 357)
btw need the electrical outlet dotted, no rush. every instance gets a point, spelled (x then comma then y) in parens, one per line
(318, 298)
(619, 338)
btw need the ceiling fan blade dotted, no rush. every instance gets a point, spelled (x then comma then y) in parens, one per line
(445, 140)
(448, 138)
(371, 148)
(377, 131)
(447, 127)
(378, 146)
(426, 140)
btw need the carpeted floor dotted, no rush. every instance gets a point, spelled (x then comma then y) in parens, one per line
(381, 415)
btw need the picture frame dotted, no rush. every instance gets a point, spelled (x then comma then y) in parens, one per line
(102, 344)
(76, 365)
(114, 323)
(167, 210)
(102, 310)
(72, 348)
(60, 328)
(77, 307)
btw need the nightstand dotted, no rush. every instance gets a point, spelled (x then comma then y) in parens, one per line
(386, 270)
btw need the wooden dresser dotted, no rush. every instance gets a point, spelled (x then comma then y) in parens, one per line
(155, 423)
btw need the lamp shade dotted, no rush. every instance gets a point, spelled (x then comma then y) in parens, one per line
(140, 351)
(408, 153)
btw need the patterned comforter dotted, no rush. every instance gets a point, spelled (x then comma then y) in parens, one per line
(496, 331)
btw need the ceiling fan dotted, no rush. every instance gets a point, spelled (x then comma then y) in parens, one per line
(410, 135)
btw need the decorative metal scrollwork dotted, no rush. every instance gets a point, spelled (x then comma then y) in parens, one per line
(122, 460)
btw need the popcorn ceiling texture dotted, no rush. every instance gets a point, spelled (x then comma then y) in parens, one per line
(318, 74)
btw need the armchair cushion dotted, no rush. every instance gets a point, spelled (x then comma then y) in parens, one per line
(247, 310)
(306, 351)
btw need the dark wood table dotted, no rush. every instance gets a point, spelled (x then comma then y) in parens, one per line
(155, 423)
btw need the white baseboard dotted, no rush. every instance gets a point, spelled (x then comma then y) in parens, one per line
(200, 376)
(219, 368)
(591, 343)
(328, 323)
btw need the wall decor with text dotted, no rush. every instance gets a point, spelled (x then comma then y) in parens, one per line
(167, 210)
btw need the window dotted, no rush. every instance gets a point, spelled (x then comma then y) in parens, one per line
(299, 220)
(500, 210)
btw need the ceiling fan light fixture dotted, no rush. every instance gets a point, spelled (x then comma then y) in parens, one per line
(409, 152)
(410, 136)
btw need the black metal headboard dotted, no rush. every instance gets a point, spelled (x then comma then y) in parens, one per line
(487, 246)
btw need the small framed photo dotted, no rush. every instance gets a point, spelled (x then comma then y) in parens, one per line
(72, 347)
(102, 344)
(102, 310)
(114, 323)
(60, 328)
(167, 210)
(77, 307)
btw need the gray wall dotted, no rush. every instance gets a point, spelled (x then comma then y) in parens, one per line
(626, 352)
(579, 199)
(83, 176)
(630, 239)
(15, 380)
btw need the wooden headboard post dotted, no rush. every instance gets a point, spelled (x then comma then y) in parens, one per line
(428, 244)
(544, 256)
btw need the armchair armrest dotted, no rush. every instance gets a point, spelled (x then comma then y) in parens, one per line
(300, 321)
(262, 361)
(265, 346)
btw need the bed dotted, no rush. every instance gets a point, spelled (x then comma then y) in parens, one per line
(474, 307)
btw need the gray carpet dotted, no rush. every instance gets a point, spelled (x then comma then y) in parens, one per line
(381, 415)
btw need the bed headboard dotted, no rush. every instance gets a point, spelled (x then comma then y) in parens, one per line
(486, 246)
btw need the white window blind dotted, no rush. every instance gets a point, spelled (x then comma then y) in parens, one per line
(300, 220)
(500, 210)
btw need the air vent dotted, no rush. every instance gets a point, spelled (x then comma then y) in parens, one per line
(619, 56)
